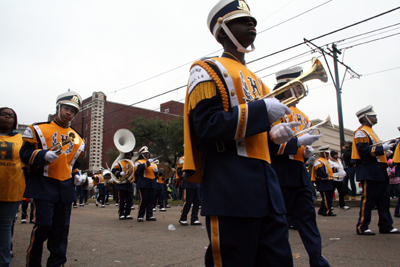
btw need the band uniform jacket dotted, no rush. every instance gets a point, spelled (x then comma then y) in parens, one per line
(52, 182)
(370, 161)
(122, 166)
(145, 176)
(322, 173)
(396, 159)
(290, 154)
(226, 140)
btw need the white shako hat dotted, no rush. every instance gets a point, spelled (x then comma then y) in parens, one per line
(285, 76)
(368, 110)
(70, 98)
(225, 11)
(324, 148)
(144, 150)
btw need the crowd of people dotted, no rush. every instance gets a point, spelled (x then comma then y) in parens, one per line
(248, 165)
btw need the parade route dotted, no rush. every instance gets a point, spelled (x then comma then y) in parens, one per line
(98, 238)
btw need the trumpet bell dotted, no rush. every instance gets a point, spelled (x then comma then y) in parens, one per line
(73, 138)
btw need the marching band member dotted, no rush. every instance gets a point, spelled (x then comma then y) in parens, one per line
(53, 175)
(226, 148)
(145, 176)
(12, 180)
(322, 175)
(160, 196)
(191, 196)
(371, 162)
(100, 182)
(123, 168)
(288, 161)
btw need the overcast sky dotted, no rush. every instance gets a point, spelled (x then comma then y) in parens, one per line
(134, 50)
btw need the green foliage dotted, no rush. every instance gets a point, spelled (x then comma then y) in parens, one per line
(161, 137)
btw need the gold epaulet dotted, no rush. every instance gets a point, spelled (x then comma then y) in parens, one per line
(207, 90)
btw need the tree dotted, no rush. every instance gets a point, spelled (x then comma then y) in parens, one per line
(163, 138)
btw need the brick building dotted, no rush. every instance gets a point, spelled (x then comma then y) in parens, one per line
(100, 119)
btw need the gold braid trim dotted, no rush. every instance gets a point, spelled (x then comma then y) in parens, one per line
(217, 80)
(204, 90)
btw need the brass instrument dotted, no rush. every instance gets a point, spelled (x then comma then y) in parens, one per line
(326, 122)
(58, 147)
(386, 141)
(125, 142)
(296, 86)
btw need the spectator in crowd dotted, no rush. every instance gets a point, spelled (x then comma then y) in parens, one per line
(338, 177)
(394, 180)
(396, 162)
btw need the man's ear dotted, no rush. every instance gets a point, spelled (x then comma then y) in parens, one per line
(221, 35)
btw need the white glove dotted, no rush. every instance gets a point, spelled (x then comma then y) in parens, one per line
(78, 180)
(282, 132)
(122, 173)
(275, 109)
(50, 156)
(387, 146)
(151, 160)
(389, 153)
(307, 139)
(155, 170)
(308, 151)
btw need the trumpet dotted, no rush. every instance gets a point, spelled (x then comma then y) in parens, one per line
(326, 122)
(71, 139)
(296, 86)
(386, 141)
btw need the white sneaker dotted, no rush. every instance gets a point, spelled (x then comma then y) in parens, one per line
(122, 217)
(163, 209)
(345, 207)
(23, 221)
(116, 204)
(184, 223)
(103, 206)
(128, 217)
(154, 209)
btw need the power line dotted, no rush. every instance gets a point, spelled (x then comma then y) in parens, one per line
(346, 27)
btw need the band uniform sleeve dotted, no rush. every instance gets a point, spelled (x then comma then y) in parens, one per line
(320, 169)
(364, 149)
(31, 152)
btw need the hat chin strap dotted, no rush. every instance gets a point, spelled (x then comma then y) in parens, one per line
(369, 120)
(240, 47)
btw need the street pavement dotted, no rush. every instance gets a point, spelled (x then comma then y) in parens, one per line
(98, 238)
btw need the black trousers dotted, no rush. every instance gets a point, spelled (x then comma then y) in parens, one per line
(147, 196)
(125, 202)
(51, 224)
(300, 205)
(375, 194)
(191, 196)
(240, 241)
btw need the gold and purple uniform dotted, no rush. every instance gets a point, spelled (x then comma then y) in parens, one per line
(226, 149)
(52, 188)
(370, 164)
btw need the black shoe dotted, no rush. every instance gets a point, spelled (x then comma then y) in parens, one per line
(140, 219)
(393, 231)
(151, 219)
(293, 227)
(366, 232)
(397, 215)
(128, 217)
(184, 223)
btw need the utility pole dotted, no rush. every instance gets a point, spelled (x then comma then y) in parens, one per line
(334, 54)
(338, 95)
